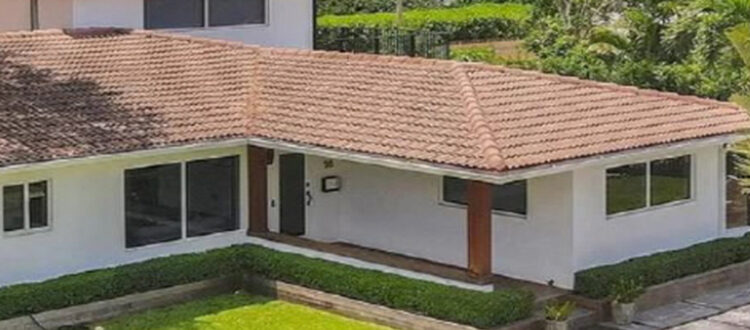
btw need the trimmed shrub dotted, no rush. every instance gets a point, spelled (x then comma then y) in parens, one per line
(663, 267)
(83, 288)
(348, 7)
(427, 298)
(481, 21)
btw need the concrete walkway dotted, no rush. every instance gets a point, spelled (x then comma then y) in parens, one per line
(727, 309)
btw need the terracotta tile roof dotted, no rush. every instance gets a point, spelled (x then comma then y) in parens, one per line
(91, 92)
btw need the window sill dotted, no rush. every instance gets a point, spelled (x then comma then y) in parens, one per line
(186, 240)
(651, 208)
(512, 215)
(26, 232)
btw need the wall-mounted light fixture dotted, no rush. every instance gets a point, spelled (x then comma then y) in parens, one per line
(331, 183)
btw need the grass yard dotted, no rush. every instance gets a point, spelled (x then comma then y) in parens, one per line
(239, 311)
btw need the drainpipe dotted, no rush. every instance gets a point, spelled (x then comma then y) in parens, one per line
(34, 12)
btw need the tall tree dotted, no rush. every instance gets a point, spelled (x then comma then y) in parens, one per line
(399, 12)
(739, 36)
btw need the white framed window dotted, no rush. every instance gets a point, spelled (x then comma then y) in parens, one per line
(171, 202)
(25, 207)
(639, 186)
(177, 14)
(509, 198)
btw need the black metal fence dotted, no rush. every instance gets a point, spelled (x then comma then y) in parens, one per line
(384, 41)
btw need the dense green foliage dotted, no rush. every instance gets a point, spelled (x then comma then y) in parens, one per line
(663, 267)
(481, 21)
(348, 7)
(671, 45)
(435, 300)
(238, 311)
(439, 301)
(484, 54)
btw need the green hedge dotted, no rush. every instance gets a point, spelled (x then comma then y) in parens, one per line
(427, 298)
(348, 7)
(663, 267)
(481, 21)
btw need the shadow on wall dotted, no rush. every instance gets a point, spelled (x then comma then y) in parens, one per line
(46, 115)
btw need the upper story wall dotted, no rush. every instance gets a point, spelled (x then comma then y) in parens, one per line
(289, 23)
(17, 15)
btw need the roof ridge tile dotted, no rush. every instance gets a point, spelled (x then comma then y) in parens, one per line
(489, 149)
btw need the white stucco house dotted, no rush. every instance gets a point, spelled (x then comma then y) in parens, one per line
(284, 23)
(121, 145)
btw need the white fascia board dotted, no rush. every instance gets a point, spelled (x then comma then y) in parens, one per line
(399, 163)
(120, 156)
(661, 151)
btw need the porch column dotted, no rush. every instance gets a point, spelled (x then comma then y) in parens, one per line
(479, 216)
(258, 189)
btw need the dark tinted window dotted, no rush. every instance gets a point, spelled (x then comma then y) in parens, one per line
(626, 188)
(38, 204)
(170, 14)
(212, 196)
(13, 201)
(236, 12)
(454, 190)
(670, 180)
(152, 205)
(509, 197)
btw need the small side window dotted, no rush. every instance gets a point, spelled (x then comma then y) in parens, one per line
(643, 185)
(509, 197)
(236, 12)
(13, 210)
(173, 14)
(25, 206)
(626, 188)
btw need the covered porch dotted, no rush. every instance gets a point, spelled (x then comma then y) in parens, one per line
(451, 275)
(474, 222)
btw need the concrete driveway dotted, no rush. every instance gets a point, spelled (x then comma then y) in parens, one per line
(735, 319)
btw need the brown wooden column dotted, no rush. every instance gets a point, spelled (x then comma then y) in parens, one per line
(479, 216)
(258, 189)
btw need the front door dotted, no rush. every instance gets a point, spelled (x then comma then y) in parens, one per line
(292, 194)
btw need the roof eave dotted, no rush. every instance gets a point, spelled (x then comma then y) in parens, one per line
(495, 177)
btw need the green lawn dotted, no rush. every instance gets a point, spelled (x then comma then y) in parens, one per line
(239, 311)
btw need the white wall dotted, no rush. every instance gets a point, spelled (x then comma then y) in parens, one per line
(88, 226)
(289, 24)
(566, 228)
(601, 240)
(15, 15)
(540, 247)
(400, 211)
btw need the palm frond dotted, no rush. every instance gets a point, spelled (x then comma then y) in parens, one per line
(739, 36)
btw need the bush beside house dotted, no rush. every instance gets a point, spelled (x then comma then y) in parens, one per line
(427, 298)
(659, 268)
(348, 7)
(481, 21)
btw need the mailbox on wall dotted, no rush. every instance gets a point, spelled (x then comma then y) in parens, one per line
(331, 183)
